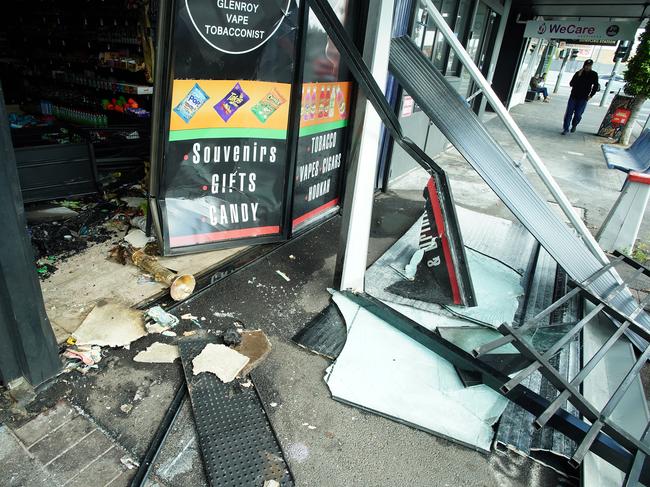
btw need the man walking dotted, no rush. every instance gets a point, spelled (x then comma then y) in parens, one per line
(584, 85)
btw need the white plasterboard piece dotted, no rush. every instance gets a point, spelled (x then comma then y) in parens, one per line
(158, 353)
(222, 361)
(111, 324)
(383, 370)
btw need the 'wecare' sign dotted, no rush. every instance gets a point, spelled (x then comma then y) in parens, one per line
(581, 29)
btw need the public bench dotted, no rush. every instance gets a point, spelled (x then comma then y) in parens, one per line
(634, 158)
(621, 227)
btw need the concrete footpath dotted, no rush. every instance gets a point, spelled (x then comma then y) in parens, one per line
(88, 430)
(575, 160)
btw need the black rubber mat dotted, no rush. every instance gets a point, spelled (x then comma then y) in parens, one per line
(325, 334)
(238, 445)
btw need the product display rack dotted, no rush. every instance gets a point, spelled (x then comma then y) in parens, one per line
(82, 64)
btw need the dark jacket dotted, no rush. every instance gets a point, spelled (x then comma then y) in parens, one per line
(584, 84)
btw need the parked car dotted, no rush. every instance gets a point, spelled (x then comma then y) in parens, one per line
(617, 83)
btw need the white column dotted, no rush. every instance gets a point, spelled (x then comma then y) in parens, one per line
(366, 138)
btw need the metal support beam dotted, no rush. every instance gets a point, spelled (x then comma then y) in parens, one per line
(603, 446)
(361, 173)
(27, 344)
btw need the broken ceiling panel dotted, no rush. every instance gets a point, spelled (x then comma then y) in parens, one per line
(111, 324)
(384, 371)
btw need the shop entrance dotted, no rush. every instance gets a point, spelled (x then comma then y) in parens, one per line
(81, 93)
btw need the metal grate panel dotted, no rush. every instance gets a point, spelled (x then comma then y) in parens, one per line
(238, 446)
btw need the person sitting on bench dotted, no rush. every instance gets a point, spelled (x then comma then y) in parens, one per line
(535, 83)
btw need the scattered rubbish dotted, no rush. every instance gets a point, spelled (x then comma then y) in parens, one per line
(292, 257)
(82, 359)
(273, 404)
(139, 222)
(76, 205)
(271, 483)
(168, 333)
(203, 318)
(71, 341)
(134, 202)
(158, 353)
(232, 336)
(219, 360)
(180, 286)
(311, 427)
(189, 316)
(162, 317)
(256, 346)
(47, 215)
(110, 324)
(137, 238)
(88, 355)
(128, 462)
(126, 408)
(189, 333)
(145, 279)
(247, 383)
(283, 275)
(154, 327)
(71, 234)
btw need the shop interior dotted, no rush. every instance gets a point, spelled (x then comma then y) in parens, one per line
(77, 79)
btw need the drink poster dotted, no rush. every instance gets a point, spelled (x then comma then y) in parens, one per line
(225, 150)
(324, 119)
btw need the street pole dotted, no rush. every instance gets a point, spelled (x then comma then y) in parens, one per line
(567, 54)
(609, 81)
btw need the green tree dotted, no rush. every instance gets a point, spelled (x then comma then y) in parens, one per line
(637, 79)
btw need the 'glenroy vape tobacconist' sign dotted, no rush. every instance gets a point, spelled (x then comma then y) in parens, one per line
(226, 175)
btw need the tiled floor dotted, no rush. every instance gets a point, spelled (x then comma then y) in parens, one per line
(61, 447)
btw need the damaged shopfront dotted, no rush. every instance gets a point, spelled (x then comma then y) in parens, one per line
(204, 144)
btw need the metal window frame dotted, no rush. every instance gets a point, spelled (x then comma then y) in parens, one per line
(529, 152)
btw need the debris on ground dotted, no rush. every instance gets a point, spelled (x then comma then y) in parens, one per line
(81, 358)
(162, 317)
(283, 275)
(180, 286)
(129, 462)
(49, 214)
(189, 316)
(169, 333)
(72, 234)
(126, 408)
(137, 238)
(271, 483)
(220, 360)
(256, 346)
(158, 353)
(110, 324)
(232, 336)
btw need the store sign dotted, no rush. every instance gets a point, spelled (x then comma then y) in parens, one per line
(581, 30)
(234, 26)
(226, 162)
(407, 106)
